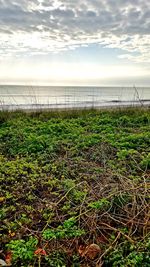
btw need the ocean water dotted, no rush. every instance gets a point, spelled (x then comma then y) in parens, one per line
(37, 97)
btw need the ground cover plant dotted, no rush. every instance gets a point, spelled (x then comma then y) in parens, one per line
(75, 188)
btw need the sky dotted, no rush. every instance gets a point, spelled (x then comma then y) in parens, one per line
(75, 42)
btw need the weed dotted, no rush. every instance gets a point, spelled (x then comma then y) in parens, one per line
(23, 250)
(90, 166)
(67, 230)
(100, 204)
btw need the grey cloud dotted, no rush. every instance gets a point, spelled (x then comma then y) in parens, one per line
(100, 13)
(62, 13)
(78, 20)
(91, 13)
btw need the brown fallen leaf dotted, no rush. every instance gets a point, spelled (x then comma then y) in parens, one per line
(81, 250)
(40, 251)
(91, 251)
(8, 258)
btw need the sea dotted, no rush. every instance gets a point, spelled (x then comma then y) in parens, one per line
(14, 97)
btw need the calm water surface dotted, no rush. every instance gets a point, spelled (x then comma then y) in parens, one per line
(26, 97)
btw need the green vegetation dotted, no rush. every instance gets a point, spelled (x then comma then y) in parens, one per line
(72, 179)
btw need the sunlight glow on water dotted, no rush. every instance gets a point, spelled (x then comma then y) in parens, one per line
(25, 97)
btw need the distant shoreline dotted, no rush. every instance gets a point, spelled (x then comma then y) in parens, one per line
(66, 98)
(85, 105)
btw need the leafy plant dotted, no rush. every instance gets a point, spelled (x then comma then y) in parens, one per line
(23, 250)
(56, 259)
(67, 230)
(100, 204)
(87, 164)
(145, 163)
(128, 255)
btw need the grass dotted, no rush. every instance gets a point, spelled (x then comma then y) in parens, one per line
(73, 179)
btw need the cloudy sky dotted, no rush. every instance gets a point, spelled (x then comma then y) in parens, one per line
(78, 42)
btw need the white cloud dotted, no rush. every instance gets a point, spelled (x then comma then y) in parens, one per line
(34, 27)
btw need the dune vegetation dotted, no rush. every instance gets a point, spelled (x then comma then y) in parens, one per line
(75, 188)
